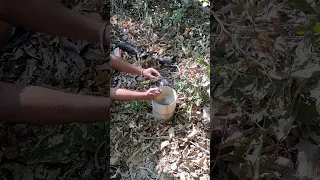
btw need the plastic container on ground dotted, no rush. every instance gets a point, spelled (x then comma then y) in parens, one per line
(164, 107)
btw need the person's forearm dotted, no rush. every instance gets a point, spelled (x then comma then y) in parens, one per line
(36, 105)
(125, 95)
(50, 16)
(120, 64)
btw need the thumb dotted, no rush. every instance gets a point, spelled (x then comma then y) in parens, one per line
(148, 75)
(156, 93)
(153, 89)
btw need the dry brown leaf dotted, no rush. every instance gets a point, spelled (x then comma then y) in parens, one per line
(182, 176)
(171, 132)
(39, 173)
(161, 51)
(19, 53)
(76, 58)
(11, 152)
(104, 66)
(194, 133)
(53, 174)
(174, 166)
(176, 148)
(31, 52)
(164, 144)
(199, 161)
(32, 66)
(204, 177)
(176, 152)
(101, 78)
(55, 140)
(94, 54)
(234, 136)
(114, 160)
(180, 126)
(308, 155)
(185, 139)
(206, 113)
(62, 70)
(113, 20)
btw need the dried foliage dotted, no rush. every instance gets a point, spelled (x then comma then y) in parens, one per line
(265, 70)
(141, 147)
(64, 151)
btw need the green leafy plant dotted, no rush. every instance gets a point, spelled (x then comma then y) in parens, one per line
(301, 5)
(134, 105)
(196, 87)
(175, 18)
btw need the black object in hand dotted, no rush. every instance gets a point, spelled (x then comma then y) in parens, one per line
(127, 47)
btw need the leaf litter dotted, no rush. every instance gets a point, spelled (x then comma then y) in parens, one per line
(265, 61)
(65, 151)
(141, 147)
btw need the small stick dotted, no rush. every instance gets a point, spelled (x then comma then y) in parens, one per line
(42, 139)
(96, 161)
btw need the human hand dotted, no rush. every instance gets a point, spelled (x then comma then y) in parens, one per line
(151, 94)
(148, 73)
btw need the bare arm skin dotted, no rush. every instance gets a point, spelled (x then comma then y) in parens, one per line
(123, 66)
(126, 95)
(36, 105)
(51, 17)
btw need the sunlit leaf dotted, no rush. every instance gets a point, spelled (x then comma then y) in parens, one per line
(201, 61)
(222, 71)
(166, 26)
(316, 28)
(301, 32)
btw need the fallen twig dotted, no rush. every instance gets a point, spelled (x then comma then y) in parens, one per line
(224, 133)
(223, 29)
(42, 139)
(198, 146)
(96, 158)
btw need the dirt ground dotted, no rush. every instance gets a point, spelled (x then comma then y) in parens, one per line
(265, 86)
(63, 151)
(142, 147)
